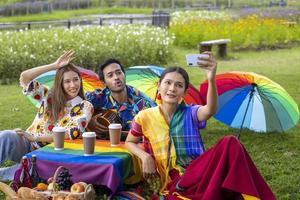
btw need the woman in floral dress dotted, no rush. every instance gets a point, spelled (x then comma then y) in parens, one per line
(63, 105)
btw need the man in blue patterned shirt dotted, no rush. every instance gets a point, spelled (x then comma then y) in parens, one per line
(118, 97)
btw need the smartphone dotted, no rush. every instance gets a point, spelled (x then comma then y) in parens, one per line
(192, 60)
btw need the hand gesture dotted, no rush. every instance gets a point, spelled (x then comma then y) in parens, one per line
(209, 64)
(22, 133)
(64, 59)
(149, 167)
(19, 131)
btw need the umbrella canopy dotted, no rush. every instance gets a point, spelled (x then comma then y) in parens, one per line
(90, 81)
(145, 79)
(249, 100)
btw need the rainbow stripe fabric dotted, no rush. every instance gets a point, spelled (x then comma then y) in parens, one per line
(249, 100)
(110, 166)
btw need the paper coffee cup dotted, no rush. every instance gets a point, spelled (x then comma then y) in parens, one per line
(89, 143)
(115, 134)
(58, 137)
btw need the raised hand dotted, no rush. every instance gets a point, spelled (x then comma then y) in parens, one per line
(209, 64)
(64, 59)
(22, 133)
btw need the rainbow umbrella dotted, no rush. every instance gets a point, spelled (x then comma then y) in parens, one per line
(249, 100)
(90, 81)
(145, 79)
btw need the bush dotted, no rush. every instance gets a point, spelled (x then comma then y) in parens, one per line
(132, 44)
(250, 32)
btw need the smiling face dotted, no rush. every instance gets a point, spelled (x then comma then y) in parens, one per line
(71, 84)
(114, 77)
(172, 88)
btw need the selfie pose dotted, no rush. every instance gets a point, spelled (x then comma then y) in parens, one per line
(64, 105)
(174, 150)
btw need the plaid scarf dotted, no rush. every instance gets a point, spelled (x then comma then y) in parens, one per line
(174, 146)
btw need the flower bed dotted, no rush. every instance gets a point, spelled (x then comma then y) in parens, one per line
(250, 32)
(131, 44)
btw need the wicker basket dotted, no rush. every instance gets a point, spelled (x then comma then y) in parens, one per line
(31, 194)
(88, 194)
(8, 191)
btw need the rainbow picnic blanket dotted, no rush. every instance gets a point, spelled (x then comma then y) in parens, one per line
(109, 166)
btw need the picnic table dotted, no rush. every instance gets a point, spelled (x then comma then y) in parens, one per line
(109, 166)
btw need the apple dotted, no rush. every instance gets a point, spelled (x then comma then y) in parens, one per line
(77, 188)
(83, 183)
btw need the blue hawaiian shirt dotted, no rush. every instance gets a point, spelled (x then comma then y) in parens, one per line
(136, 101)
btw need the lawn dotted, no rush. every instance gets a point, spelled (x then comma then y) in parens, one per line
(68, 14)
(277, 156)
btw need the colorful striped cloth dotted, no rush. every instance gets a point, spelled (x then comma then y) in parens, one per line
(110, 166)
(128, 195)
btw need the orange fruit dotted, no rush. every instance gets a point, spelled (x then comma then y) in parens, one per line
(42, 186)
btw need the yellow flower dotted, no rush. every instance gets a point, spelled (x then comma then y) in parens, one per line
(39, 128)
(74, 133)
(64, 121)
(77, 110)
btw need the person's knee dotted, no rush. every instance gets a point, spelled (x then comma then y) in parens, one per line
(231, 139)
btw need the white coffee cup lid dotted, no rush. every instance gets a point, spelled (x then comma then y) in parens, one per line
(89, 134)
(115, 126)
(58, 129)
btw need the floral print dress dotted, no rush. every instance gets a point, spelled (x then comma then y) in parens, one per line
(75, 117)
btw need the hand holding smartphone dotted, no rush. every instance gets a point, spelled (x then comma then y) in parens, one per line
(193, 59)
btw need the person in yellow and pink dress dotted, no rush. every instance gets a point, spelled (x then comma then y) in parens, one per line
(63, 105)
(174, 150)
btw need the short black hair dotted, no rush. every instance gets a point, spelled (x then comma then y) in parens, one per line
(105, 64)
(179, 70)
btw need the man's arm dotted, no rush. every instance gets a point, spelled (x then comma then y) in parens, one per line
(96, 98)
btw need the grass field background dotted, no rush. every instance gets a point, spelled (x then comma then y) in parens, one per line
(277, 156)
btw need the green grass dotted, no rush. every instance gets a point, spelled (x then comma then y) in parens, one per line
(67, 14)
(276, 155)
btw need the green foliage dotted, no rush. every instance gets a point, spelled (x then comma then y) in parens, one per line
(250, 32)
(132, 45)
(6, 2)
(8, 163)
